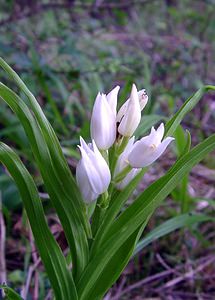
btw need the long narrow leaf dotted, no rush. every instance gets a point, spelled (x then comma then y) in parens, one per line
(10, 294)
(169, 226)
(116, 204)
(52, 257)
(63, 192)
(188, 105)
(134, 216)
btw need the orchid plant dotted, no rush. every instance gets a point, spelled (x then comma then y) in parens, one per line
(101, 231)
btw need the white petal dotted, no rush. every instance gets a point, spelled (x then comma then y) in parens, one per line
(84, 184)
(143, 98)
(155, 136)
(92, 173)
(162, 147)
(91, 170)
(127, 179)
(102, 168)
(122, 161)
(159, 134)
(103, 123)
(112, 98)
(122, 111)
(84, 145)
(142, 155)
(132, 116)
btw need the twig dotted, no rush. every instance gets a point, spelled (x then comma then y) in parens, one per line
(120, 288)
(204, 262)
(187, 275)
(31, 270)
(49, 295)
(28, 280)
(3, 277)
(143, 282)
(165, 265)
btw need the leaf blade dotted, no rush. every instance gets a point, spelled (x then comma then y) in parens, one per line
(54, 261)
(169, 226)
(58, 181)
(138, 212)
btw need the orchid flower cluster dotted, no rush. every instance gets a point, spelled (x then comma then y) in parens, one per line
(101, 235)
(114, 157)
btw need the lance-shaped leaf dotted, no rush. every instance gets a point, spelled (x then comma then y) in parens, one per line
(132, 218)
(57, 178)
(188, 105)
(50, 252)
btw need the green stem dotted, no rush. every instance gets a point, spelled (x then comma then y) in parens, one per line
(123, 144)
(115, 153)
(119, 177)
(98, 215)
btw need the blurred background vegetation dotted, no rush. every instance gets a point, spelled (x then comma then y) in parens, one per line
(67, 51)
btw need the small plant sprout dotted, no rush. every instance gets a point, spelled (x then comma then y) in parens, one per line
(102, 232)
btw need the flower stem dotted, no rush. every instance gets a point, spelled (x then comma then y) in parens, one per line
(116, 151)
(101, 207)
(122, 174)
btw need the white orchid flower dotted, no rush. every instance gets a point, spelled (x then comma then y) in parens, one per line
(103, 120)
(92, 172)
(149, 148)
(112, 98)
(143, 99)
(130, 114)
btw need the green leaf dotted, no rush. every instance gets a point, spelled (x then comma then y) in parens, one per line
(10, 294)
(169, 226)
(135, 216)
(180, 140)
(117, 201)
(187, 146)
(54, 169)
(188, 105)
(113, 269)
(183, 143)
(50, 252)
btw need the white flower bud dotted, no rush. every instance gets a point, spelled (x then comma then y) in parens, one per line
(92, 172)
(112, 98)
(131, 116)
(143, 99)
(103, 120)
(122, 163)
(149, 148)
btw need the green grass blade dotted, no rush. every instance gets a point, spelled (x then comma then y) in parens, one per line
(10, 294)
(51, 255)
(188, 105)
(169, 226)
(62, 189)
(138, 213)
